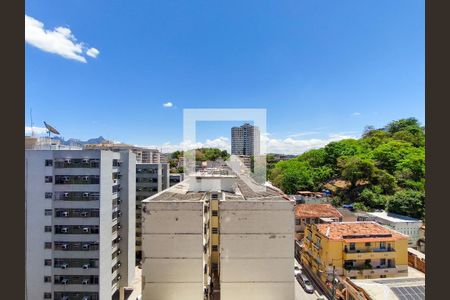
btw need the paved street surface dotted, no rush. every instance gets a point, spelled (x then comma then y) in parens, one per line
(300, 292)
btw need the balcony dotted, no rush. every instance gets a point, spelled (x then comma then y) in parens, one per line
(78, 163)
(369, 253)
(373, 271)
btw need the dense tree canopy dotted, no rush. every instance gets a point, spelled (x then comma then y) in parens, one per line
(385, 168)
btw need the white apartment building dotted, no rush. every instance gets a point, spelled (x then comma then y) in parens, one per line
(80, 223)
(403, 224)
(150, 179)
(143, 155)
(245, 140)
(213, 235)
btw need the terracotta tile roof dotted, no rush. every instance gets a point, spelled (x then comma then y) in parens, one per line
(359, 231)
(316, 211)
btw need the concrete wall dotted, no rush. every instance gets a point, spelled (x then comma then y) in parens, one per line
(256, 249)
(172, 249)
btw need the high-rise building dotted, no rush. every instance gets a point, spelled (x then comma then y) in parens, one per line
(213, 235)
(245, 140)
(150, 179)
(80, 223)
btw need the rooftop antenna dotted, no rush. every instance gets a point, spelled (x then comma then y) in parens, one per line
(31, 121)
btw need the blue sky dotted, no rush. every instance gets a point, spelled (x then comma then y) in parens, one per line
(322, 69)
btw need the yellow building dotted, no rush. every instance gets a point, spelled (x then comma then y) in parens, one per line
(358, 250)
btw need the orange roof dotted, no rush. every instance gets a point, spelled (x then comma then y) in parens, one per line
(359, 232)
(316, 211)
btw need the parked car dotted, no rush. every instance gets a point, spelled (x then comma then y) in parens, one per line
(297, 271)
(305, 283)
(349, 207)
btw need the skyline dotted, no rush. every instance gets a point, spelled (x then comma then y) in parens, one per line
(323, 71)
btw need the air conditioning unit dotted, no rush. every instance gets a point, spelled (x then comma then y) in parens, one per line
(85, 195)
(119, 264)
(85, 266)
(84, 214)
(65, 178)
(64, 246)
(64, 230)
(66, 195)
(65, 213)
(85, 281)
(119, 238)
(85, 246)
(65, 281)
(67, 161)
(86, 229)
(119, 201)
(119, 213)
(118, 277)
(85, 178)
(64, 266)
(118, 251)
(85, 160)
(119, 226)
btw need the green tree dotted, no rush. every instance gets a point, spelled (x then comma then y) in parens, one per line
(407, 202)
(355, 169)
(402, 124)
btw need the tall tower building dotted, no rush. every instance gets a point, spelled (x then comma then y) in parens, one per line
(245, 140)
(80, 223)
(214, 237)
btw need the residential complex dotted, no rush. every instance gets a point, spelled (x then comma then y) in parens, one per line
(143, 155)
(213, 235)
(403, 224)
(80, 223)
(306, 214)
(358, 250)
(150, 179)
(245, 140)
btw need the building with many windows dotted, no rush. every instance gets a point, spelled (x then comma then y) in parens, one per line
(150, 179)
(358, 250)
(245, 140)
(143, 155)
(80, 223)
(214, 235)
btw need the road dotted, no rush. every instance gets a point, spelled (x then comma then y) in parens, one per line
(300, 293)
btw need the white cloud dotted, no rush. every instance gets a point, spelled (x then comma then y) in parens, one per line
(36, 130)
(92, 52)
(59, 41)
(303, 133)
(356, 114)
(284, 146)
(168, 104)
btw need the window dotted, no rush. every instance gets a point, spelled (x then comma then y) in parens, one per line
(382, 245)
(308, 221)
(47, 262)
(215, 248)
(297, 222)
(47, 295)
(352, 246)
(215, 230)
(48, 212)
(215, 213)
(48, 179)
(48, 245)
(48, 195)
(47, 278)
(47, 228)
(367, 244)
(48, 162)
(382, 261)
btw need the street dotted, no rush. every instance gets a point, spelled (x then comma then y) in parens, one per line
(300, 292)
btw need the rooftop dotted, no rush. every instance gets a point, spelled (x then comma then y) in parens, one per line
(359, 232)
(391, 217)
(316, 211)
(195, 187)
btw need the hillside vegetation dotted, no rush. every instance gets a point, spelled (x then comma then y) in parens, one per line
(385, 169)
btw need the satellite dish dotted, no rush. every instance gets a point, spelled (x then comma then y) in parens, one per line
(51, 129)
